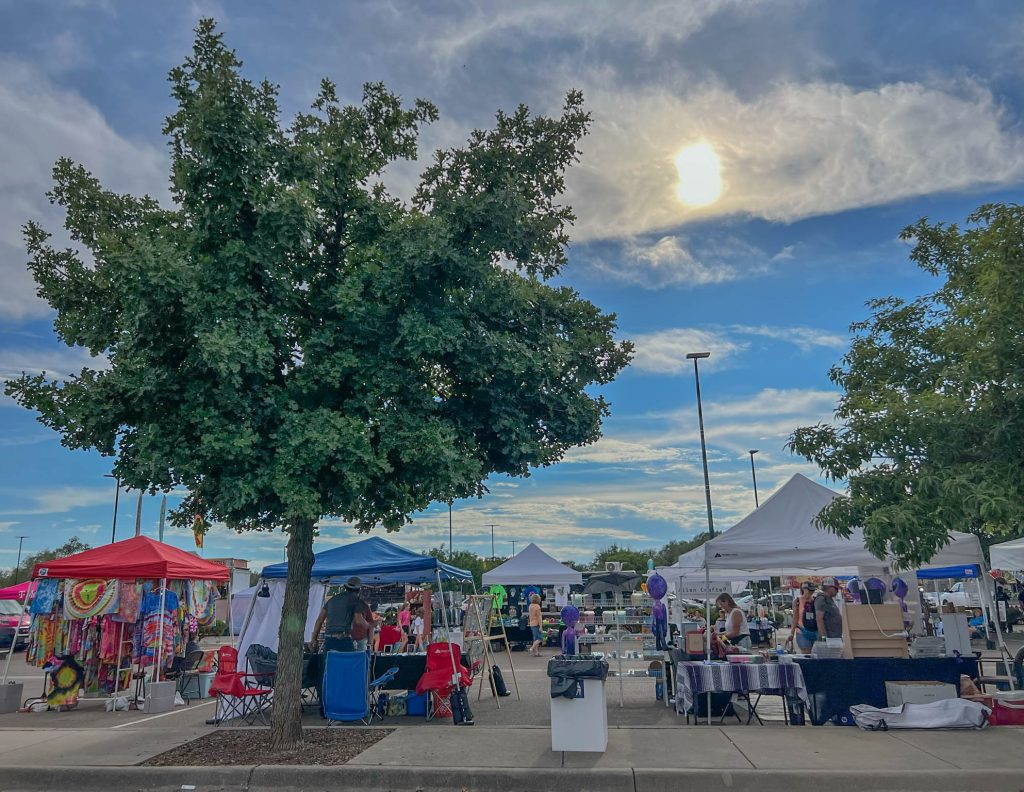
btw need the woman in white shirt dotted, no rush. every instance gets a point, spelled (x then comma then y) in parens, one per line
(737, 631)
(417, 631)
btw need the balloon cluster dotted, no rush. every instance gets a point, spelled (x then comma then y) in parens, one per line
(571, 616)
(657, 587)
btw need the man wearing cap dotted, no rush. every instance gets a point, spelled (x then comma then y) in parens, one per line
(338, 614)
(826, 612)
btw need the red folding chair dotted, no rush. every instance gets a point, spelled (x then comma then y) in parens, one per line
(239, 694)
(437, 678)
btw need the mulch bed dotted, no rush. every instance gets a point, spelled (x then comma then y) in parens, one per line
(252, 747)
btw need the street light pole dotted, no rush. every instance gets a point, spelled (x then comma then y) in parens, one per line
(695, 356)
(117, 494)
(753, 475)
(513, 547)
(450, 551)
(17, 567)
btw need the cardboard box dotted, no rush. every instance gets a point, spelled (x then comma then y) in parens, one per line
(915, 692)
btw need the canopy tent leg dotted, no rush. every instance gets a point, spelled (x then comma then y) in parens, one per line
(707, 624)
(14, 638)
(117, 662)
(231, 632)
(158, 655)
(248, 613)
(448, 633)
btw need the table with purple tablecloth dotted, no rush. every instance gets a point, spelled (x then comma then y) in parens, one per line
(694, 678)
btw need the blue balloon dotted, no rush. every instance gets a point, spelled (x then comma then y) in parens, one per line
(570, 615)
(657, 586)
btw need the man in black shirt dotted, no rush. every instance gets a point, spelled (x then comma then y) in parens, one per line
(338, 614)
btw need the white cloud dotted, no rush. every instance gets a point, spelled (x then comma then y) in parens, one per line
(806, 338)
(794, 151)
(65, 499)
(42, 122)
(664, 351)
(609, 450)
(6, 526)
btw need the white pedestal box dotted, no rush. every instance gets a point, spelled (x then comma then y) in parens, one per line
(581, 724)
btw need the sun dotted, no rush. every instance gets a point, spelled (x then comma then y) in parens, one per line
(700, 175)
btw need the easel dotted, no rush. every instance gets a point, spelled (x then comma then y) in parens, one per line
(479, 618)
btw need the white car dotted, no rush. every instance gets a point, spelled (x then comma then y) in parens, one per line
(961, 595)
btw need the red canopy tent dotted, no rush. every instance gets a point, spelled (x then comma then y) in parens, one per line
(129, 559)
(17, 592)
(138, 557)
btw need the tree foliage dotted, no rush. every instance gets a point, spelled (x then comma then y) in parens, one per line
(289, 341)
(930, 427)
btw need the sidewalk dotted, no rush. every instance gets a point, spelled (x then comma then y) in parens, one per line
(520, 759)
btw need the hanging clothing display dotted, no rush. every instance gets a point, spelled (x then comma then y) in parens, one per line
(202, 599)
(47, 594)
(92, 597)
(130, 595)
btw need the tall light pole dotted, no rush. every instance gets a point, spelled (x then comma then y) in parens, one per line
(753, 475)
(695, 356)
(17, 567)
(513, 546)
(492, 527)
(117, 494)
(450, 551)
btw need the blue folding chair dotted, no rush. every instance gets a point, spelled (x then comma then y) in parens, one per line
(376, 686)
(346, 687)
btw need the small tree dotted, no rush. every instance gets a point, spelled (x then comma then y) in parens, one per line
(930, 425)
(28, 563)
(289, 341)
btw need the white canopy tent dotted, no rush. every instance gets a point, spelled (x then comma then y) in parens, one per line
(533, 565)
(1008, 555)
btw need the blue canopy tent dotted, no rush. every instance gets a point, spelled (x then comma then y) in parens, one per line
(942, 573)
(374, 561)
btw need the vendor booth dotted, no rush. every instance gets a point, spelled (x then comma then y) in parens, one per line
(1008, 555)
(376, 562)
(781, 538)
(96, 613)
(17, 592)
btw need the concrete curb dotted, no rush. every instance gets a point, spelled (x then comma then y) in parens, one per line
(356, 778)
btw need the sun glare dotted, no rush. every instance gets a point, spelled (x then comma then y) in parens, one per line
(700, 175)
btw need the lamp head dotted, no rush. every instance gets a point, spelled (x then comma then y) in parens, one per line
(698, 355)
(754, 451)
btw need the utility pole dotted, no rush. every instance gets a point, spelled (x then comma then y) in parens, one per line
(492, 527)
(117, 494)
(17, 567)
(163, 516)
(450, 550)
(513, 546)
(753, 475)
(138, 514)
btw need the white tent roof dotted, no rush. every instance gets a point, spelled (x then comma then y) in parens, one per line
(1008, 555)
(781, 536)
(532, 565)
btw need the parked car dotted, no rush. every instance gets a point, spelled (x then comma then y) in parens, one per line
(778, 602)
(961, 596)
(10, 610)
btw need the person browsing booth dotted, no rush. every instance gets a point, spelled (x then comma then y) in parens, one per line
(338, 614)
(826, 612)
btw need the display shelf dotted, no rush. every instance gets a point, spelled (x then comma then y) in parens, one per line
(621, 646)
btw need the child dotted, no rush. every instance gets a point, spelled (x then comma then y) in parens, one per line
(417, 630)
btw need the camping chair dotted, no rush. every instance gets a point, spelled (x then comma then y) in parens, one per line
(376, 687)
(390, 635)
(186, 672)
(311, 675)
(345, 690)
(261, 660)
(239, 694)
(437, 678)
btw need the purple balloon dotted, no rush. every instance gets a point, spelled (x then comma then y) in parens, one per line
(900, 588)
(853, 586)
(657, 586)
(570, 615)
(874, 584)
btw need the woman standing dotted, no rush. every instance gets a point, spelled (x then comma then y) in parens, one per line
(805, 625)
(535, 623)
(737, 631)
(404, 621)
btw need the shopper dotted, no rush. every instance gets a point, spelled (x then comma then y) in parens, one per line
(362, 626)
(977, 625)
(338, 614)
(417, 631)
(805, 622)
(735, 630)
(826, 612)
(534, 621)
(405, 625)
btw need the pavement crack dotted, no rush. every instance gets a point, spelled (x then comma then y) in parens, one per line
(738, 749)
(248, 780)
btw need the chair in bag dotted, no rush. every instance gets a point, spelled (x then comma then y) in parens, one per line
(345, 690)
(376, 687)
(261, 660)
(437, 678)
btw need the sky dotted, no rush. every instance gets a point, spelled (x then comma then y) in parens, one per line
(810, 134)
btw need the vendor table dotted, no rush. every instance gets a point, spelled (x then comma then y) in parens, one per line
(410, 668)
(835, 685)
(695, 678)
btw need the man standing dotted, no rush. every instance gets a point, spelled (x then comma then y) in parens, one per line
(826, 612)
(338, 614)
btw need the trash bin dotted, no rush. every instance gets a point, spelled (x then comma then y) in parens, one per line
(579, 712)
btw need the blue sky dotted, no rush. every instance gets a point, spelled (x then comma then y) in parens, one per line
(835, 126)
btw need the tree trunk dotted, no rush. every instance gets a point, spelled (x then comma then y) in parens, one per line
(286, 720)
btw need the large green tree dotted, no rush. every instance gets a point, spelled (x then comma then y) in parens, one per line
(288, 341)
(929, 428)
(24, 571)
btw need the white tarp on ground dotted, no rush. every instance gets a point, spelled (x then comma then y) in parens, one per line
(1007, 555)
(532, 565)
(265, 621)
(782, 536)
